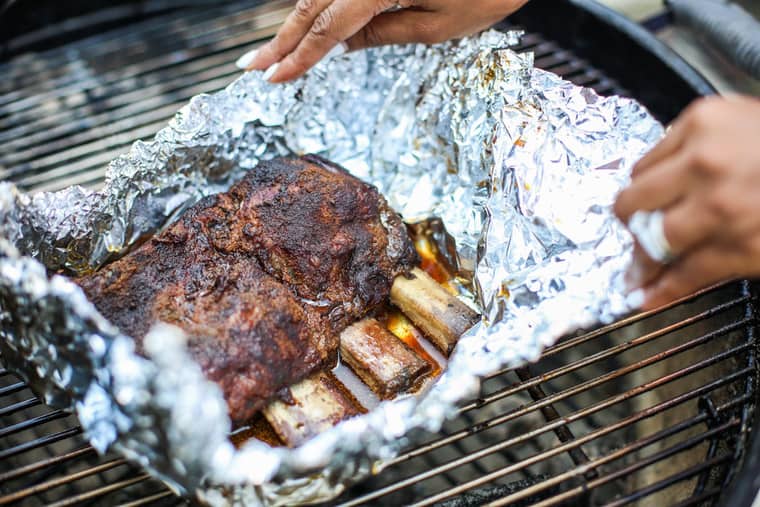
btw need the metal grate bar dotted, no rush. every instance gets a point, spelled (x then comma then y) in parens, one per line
(21, 405)
(620, 453)
(56, 460)
(550, 414)
(30, 423)
(528, 41)
(45, 486)
(146, 72)
(40, 442)
(95, 493)
(51, 148)
(72, 27)
(546, 49)
(29, 140)
(565, 420)
(512, 415)
(187, 38)
(665, 483)
(39, 72)
(13, 388)
(576, 443)
(609, 376)
(110, 40)
(78, 158)
(567, 344)
(148, 499)
(700, 499)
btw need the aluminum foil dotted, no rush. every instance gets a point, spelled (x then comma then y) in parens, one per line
(521, 166)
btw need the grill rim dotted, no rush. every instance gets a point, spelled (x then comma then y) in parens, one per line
(743, 490)
(593, 31)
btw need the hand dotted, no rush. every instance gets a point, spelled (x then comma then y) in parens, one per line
(317, 26)
(705, 177)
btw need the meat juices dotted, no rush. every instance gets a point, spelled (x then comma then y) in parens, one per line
(262, 278)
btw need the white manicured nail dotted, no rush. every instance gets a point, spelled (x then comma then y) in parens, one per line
(338, 50)
(244, 61)
(270, 71)
(636, 298)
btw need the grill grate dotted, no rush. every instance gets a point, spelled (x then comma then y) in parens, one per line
(656, 406)
(608, 385)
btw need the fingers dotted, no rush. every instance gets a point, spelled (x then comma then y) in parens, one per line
(655, 189)
(701, 268)
(711, 222)
(336, 23)
(676, 137)
(398, 27)
(320, 27)
(430, 23)
(295, 27)
(643, 270)
(688, 224)
(670, 144)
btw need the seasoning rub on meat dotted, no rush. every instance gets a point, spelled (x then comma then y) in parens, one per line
(262, 278)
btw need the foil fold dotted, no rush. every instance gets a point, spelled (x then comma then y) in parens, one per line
(521, 166)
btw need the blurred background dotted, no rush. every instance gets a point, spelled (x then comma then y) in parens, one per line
(696, 50)
(24, 26)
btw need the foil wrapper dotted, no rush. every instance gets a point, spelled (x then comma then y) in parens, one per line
(521, 166)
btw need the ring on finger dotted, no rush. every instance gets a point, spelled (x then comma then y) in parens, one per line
(648, 227)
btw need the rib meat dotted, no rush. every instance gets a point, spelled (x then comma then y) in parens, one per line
(262, 278)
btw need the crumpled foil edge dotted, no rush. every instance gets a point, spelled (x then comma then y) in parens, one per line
(521, 165)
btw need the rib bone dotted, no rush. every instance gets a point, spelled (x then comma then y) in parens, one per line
(380, 359)
(441, 316)
(317, 403)
(385, 363)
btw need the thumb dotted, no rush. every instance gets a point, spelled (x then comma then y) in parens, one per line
(401, 27)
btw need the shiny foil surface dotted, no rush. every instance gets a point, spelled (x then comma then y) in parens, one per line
(521, 166)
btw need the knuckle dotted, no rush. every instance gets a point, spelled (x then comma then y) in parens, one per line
(323, 25)
(708, 162)
(304, 9)
(701, 114)
(276, 47)
(705, 161)
(370, 36)
(722, 206)
(299, 62)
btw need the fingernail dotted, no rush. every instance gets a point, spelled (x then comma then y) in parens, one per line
(338, 50)
(636, 298)
(271, 71)
(246, 60)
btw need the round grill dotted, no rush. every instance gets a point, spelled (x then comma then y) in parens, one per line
(656, 409)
